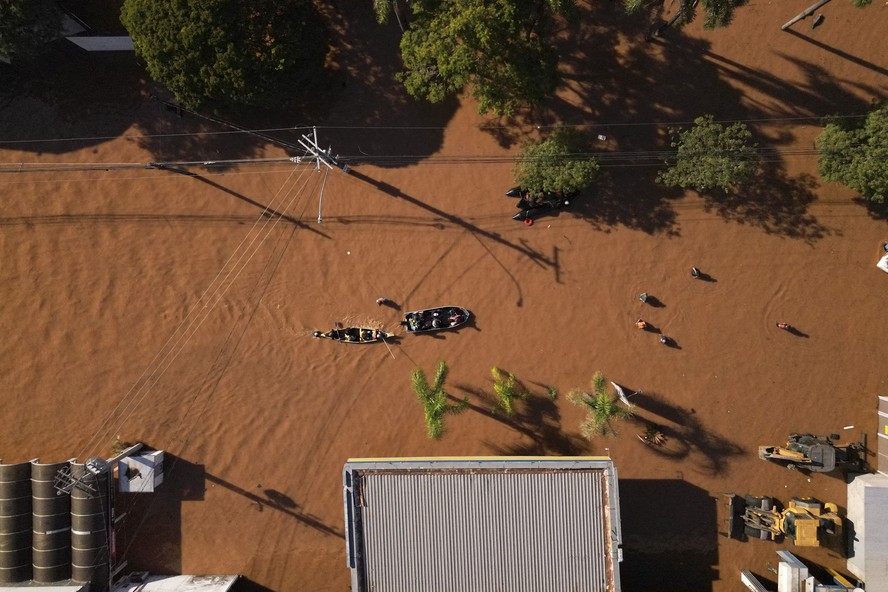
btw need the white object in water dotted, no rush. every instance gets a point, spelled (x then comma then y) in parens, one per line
(883, 264)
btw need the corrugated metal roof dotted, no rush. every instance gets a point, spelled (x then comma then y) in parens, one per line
(535, 525)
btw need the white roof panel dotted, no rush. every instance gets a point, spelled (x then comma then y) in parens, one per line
(156, 583)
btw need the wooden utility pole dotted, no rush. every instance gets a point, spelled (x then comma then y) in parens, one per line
(804, 14)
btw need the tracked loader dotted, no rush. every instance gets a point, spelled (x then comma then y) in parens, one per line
(807, 522)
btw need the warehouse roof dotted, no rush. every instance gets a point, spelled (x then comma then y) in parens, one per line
(492, 523)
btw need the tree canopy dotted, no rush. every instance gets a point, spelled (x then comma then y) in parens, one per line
(711, 155)
(26, 26)
(602, 408)
(434, 399)
(854, 152)
(501, 49)
(228, 51)
(716, 13)
(560, 163)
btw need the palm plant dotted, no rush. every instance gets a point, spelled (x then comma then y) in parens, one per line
(434, 399)
(507, 390)
(602, 408)
(653, 435)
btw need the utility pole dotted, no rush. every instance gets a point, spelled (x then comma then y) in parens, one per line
(804, 14)
(321, 156)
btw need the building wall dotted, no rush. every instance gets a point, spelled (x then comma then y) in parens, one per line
(882, 436)
(868, 519)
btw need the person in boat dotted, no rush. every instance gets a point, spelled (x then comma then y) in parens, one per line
(367, 335)
(455, 319)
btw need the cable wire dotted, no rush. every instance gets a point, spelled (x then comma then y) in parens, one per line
(203, 299)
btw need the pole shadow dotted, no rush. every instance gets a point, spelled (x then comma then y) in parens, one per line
(844, 55)
(266, 210)
(532, 254)
(278, 502)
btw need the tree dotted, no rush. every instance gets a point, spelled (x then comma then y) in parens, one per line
(854, 152)
(26, 26)
(501, 49)
(560, 163)
(252, 52)
(507, 390)
(434, 399)
(384, 9)
(602, 407)
(716, 13)
(711, 155)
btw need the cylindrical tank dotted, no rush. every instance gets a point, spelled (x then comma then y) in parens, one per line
(51, 539)
(15, 523)
(90, 527)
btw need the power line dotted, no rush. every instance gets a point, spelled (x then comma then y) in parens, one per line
(93, 179)
(254, 131)
(201, 307)
(605, 159)
(188, 434)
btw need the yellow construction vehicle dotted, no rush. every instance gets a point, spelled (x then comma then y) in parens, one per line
(807, 522)
(817, 454)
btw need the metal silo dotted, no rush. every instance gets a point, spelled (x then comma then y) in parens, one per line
(90, 523)
(51, 537)
(15, 523)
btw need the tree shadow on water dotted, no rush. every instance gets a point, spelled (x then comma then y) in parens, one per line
(686, 436)
(57, 101)
(876, 211)
(624, 198)
(537, 419)
(775, 203)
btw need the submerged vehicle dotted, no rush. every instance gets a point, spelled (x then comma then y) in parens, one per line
(532, 206)
(354, 335)
(807, 522)
(436, 319)
(817, 454)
